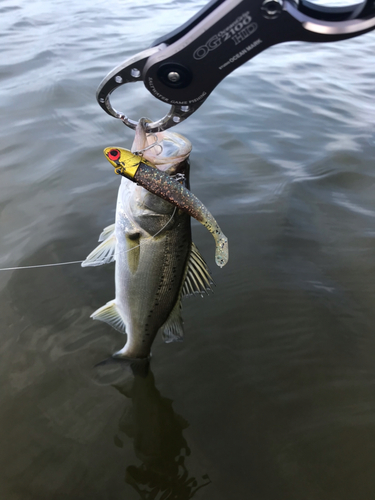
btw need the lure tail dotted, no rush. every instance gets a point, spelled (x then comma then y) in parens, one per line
(168, 188)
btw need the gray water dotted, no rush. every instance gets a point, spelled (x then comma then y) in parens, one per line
(271, 395)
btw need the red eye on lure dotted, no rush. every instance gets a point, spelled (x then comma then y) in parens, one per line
(114, 154)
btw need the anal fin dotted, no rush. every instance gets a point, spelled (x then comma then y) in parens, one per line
(173, 328)
(110, 314)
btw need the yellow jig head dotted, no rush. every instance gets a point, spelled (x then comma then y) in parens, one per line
(125, 162)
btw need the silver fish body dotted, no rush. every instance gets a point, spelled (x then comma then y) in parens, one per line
(156, 264)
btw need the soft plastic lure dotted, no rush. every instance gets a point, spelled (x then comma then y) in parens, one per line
(144, 173)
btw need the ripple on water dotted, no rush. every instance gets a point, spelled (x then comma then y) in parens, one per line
(276, 371)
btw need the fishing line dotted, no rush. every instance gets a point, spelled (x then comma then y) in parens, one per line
(42, 265)
(80, 261)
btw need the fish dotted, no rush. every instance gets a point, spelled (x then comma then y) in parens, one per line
(144, 173)
(156, 261)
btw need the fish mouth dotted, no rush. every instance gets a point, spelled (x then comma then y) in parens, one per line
(180, 172)
(165, 150)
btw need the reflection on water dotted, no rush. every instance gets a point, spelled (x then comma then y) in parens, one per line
(157, 434)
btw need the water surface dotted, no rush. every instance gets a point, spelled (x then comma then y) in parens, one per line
(271, 396)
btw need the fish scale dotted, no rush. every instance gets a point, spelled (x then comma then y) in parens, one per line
(145, 298)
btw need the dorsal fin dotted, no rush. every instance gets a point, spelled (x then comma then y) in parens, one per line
(198, 278)
(110, 314)
(102, 254)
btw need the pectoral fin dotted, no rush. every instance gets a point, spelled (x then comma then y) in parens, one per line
(198, 278)
(111, 315)
(107, 232)
(103, 254)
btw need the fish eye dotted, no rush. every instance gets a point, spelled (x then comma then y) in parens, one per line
(114, 154)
